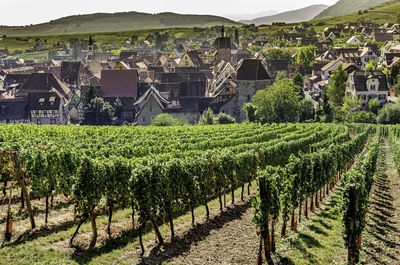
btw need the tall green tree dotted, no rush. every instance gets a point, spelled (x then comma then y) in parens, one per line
(118, 108)
(98, 112)
(298, 80)
(236, 36)
(337, 86)
(306, 58)
(277, 103)
(91, 93)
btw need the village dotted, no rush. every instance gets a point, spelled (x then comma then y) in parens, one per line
(220, 74)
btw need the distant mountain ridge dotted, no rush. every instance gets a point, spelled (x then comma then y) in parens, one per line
(349, 6)
(294, 16)
(115, 22)
(238, 17)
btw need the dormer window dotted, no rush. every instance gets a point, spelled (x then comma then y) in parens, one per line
(373, 87)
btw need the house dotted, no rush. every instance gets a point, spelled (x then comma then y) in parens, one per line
(366, 55)
(71, 73)
(128, 108)
(278, 66)
(353, 40)
(251, 77)
(148, 106)
(75, 109)
(368, 85)
(14, 81)
(47, 108)
(381, 37)
(330, 67)
(190, 59)
(119, 83)
(43, 82)
(14, 111)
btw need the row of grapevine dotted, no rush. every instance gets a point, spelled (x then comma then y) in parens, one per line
(158, 184)
(283, 189)
(356, 186)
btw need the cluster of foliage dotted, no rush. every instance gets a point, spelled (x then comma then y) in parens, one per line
(281, 102)
(208, 118)
(166, 119)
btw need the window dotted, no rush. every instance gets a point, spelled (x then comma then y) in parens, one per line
(53, 121)
(39, 122)
(373, 87)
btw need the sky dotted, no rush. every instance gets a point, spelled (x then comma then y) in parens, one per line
(25, 12)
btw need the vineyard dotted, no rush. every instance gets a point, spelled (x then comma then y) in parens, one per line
(128, 195)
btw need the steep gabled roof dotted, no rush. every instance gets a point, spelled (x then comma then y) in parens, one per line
(70, 71)
(251, 69)
(44, 82)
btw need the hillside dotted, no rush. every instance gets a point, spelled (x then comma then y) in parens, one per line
(238, 17)
(294, 16)
(384, 13)
(349, 6)
(104, 22)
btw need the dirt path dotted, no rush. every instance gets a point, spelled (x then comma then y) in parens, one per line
(381, 244)
(233, 242)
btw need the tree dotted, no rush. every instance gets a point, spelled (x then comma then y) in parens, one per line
(305, 58)
(307, 110)
(278, 54)
(207, 118)
(224, 118)
(236, 36)
(352, 103)
(277, 103)
(98, 112)
(298, 80)
(337, 87)
(389, 114)
(374, 105)
(371, 65)
(90, 94)
(118, 108)
(250, 111)
(166, 119)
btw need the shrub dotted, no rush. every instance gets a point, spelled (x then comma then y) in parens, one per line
(224, 118)
(166, 119)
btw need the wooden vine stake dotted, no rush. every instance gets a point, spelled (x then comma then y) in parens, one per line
(9, 222)
(19, 177)
(353, 253)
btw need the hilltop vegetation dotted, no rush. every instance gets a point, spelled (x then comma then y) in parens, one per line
(349, 6)
(103, 22)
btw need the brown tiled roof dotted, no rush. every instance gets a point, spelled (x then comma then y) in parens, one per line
(44, 101)
(44, 82)
(119, 83)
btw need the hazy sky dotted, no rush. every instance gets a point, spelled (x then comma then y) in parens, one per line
(24, 12)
